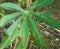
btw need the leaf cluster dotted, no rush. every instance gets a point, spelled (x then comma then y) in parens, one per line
(25, 25)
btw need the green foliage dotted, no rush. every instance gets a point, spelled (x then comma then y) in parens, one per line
(45, 17)
(14, 25)
(20, 28)
(24, 36)
(9, 40)
(10, 6)
(41, 3)
(6, 18)
(34, 32)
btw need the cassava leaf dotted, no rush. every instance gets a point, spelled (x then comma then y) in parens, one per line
(12, 32)
(36, 2)
(3, 40)
(45, 17)
(38, 39)
(43, 3)
(5, 19)
(23, 36)
(9, 6)
(13, 26)
(10, 39)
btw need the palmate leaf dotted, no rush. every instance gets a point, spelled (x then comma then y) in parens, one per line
(43, 3)
(24, 35)
(9, 6)
(45, 17)
(37, 36)
(13, 26)
(9, 40)
(12, 32)
(5, 19)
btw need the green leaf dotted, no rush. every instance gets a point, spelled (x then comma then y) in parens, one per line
(37, 36)
(9, 40)
(20, 1)
(46, 17)
(3, 40)
(36, 2)
(43, 3)
(10, 6)
(5, 19)
(24, 35)
(12, 32)
(13, 26)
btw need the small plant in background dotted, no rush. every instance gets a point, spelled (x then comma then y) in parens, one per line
(25, 25)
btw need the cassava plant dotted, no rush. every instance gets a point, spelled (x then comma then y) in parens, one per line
(25, 25)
